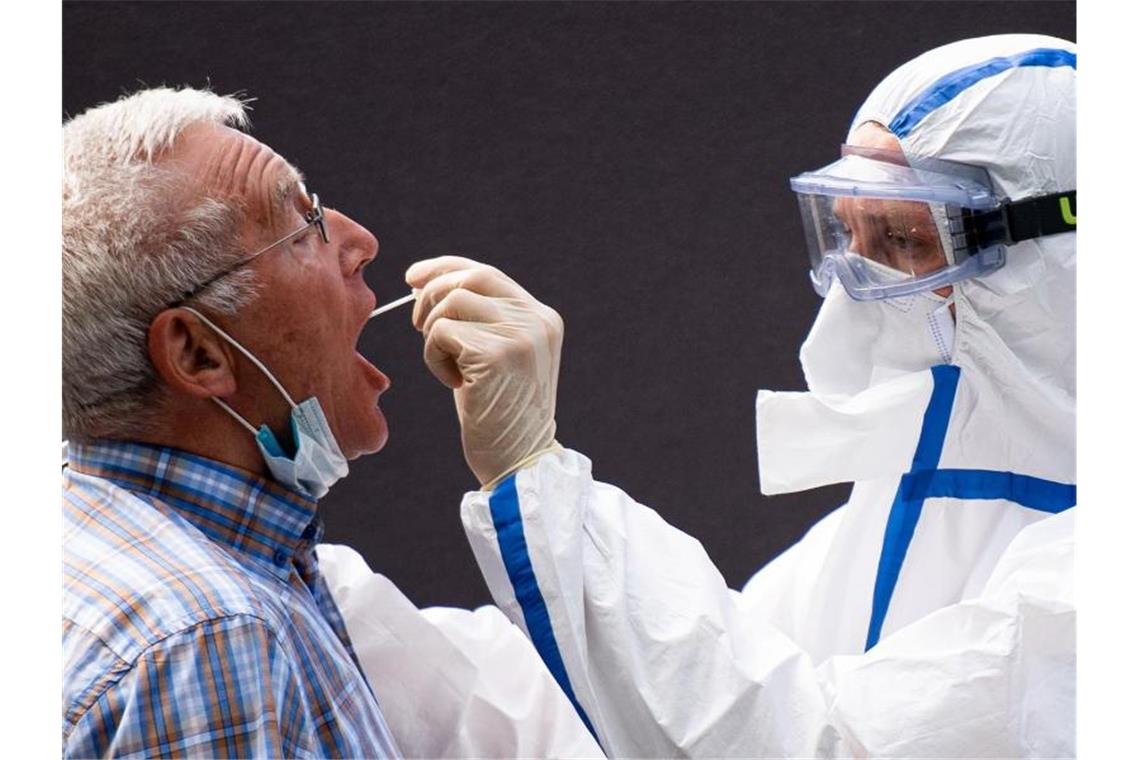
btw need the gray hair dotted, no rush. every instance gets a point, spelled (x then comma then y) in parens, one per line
(135, 239)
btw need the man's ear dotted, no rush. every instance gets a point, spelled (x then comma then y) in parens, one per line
(190, 357)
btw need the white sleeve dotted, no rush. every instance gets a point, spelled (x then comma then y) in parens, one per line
(451, 682)
(638, 626)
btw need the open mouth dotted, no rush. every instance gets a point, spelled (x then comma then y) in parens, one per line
(372, 373)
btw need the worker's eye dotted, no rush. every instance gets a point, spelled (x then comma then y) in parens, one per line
(840, 230)
(899, 239)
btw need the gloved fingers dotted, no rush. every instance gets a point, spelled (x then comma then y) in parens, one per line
(480, 279)
(453, 273)
(443, 345)
(421, 272)
(464, 306)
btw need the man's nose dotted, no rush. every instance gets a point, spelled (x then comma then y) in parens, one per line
(358, 245)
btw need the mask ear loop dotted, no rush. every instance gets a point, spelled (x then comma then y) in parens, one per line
(247, 354)
(257, 363)
(229, 410)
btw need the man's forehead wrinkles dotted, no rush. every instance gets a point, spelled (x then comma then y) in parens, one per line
(220, 167)
(260, 164)
(271, 179)
(228, 167)
(238, 165)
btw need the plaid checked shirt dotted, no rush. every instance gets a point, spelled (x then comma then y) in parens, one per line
(195, 621)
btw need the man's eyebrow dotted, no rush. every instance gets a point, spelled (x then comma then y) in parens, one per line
(287, 186)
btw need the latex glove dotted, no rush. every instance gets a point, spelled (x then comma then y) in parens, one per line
(498, 348)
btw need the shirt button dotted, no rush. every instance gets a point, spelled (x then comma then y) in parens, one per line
(280, 557)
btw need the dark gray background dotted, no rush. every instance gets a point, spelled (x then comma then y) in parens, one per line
(627, 163)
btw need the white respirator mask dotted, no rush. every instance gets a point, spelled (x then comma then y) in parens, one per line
(854, 345)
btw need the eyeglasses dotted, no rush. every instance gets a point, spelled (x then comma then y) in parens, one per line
(314, 217)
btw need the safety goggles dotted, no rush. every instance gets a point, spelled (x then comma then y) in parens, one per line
(885, 228)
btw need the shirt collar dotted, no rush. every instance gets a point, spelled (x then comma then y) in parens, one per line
(256, 516)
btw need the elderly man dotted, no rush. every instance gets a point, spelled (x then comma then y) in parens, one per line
(212, 394)
(933, 614)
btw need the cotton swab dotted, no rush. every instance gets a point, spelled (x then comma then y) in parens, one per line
(397, 303)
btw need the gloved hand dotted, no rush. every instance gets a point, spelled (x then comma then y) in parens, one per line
(498, 348)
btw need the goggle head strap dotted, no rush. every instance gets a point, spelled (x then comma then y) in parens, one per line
(1021, 220)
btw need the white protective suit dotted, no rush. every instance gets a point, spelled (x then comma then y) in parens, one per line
(933, 614)
(451, 682)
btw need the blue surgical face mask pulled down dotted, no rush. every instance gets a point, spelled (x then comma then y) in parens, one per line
(317, 462)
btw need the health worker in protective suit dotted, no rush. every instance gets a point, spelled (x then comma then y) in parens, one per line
(933, 614)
